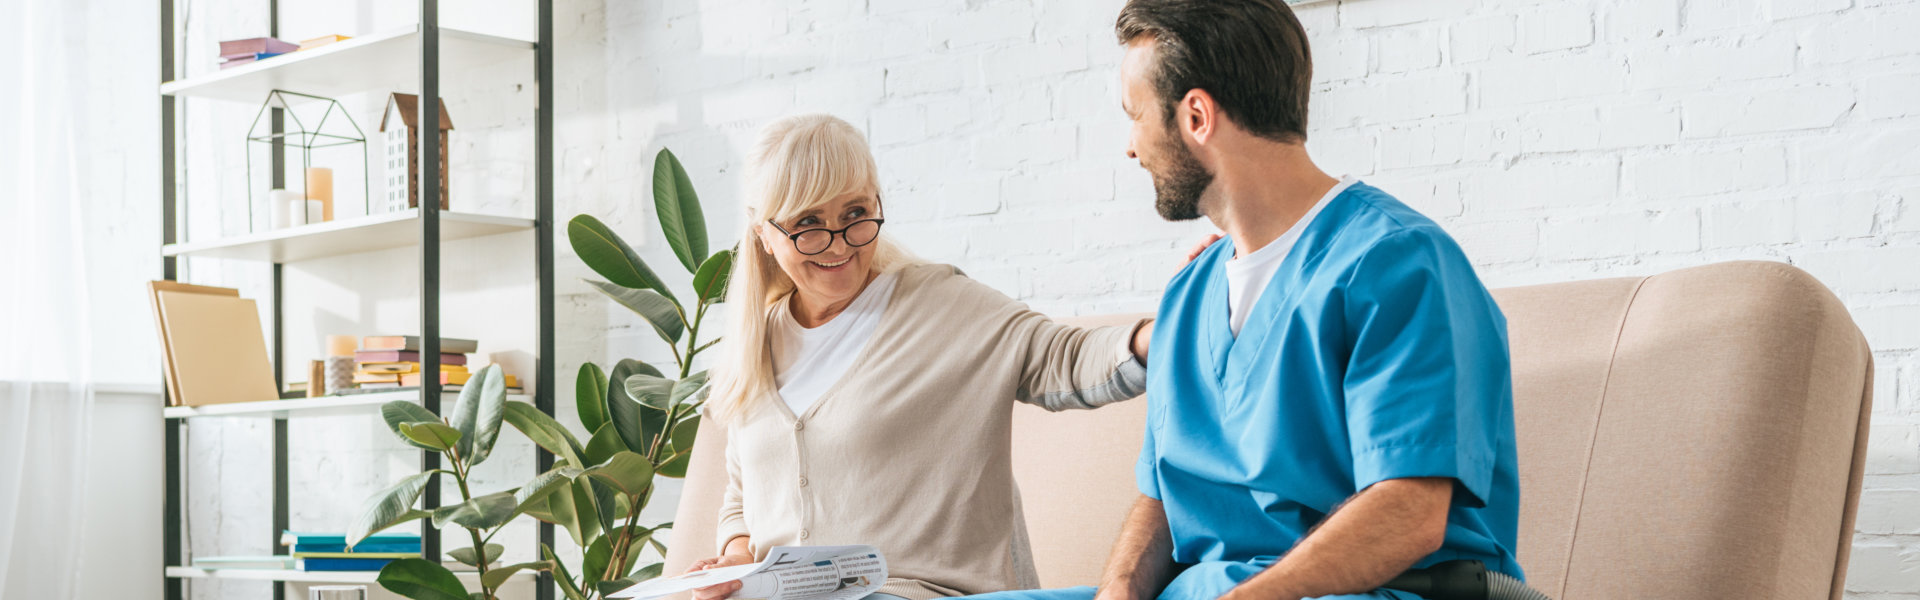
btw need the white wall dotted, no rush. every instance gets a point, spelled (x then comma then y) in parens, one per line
(1556, 140)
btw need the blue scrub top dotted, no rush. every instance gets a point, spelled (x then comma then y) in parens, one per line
(1375, 353)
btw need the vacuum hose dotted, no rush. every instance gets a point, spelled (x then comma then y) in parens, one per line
(1463, 580)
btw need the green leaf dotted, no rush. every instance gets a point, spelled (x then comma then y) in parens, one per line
(467, 557)
(465, 416)
(593, 562)
(402, 411)
(647, 572)
(676, 466)
(623, 409)
(679, 210)
(421, 580)
(567, 505)
(482, 512)
(660, 312)
(710, 282)
(634, 548)
(544, 431)
(657, 546)
(685, 388)
(590, 396)
(603, 444)
(606, 504)
(389, 507)
(560, 574)
(431, 435)
(626, 472)
(610, 256)
(535, 492)
(478, 413)
(684, 433)
(609, 587)
(652, 391)
(495, 577)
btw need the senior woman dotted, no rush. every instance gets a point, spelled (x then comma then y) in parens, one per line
(868, 395)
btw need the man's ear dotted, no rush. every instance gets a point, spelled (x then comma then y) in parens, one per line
(1199, 116)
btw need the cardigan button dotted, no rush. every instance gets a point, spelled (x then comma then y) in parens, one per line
(799, 425)
(803, 534)
(803, 482)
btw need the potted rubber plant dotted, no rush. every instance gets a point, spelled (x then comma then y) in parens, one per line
(640, 424)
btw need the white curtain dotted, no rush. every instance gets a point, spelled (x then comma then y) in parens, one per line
(46, 387)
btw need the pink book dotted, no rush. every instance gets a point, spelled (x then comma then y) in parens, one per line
(257, 45)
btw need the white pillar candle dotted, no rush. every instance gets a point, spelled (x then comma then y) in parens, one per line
(288, 208)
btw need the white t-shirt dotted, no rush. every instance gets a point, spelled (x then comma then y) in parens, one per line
(807, 362)
(1248, 274)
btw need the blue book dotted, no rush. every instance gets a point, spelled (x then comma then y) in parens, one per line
(295, 538)
(413, 546)
(343, 564)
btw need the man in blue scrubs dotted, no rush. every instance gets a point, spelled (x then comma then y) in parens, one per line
(1330, 397)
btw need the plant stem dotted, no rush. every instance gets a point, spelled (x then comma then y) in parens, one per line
(480, 550)
(693, 340)
(466, 495)
(625, 540)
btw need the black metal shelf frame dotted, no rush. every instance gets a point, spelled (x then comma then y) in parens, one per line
(429, 217)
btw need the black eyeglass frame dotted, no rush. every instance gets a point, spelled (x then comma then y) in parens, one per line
(842, 232)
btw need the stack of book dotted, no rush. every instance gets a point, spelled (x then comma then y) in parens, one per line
(234, 53)
(328, 551)
(393, 361)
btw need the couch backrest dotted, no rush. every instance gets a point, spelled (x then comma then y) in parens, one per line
(1694, 434)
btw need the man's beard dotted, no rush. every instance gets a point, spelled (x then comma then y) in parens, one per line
(1177, 191)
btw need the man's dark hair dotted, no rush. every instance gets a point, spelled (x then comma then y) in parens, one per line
(1250, 55)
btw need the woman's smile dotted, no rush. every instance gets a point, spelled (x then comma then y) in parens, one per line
(831, 267)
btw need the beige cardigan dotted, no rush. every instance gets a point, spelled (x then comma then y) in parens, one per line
(909, 451)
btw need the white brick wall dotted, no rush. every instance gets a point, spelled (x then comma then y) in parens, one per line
(1556, 140)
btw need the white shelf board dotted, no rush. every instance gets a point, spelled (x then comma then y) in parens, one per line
(311, 407)
(310, 576)
(384, 62)
(385, 231)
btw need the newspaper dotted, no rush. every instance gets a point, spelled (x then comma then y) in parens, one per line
(788, 573)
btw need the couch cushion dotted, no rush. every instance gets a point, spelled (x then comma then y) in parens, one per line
(1724, 451)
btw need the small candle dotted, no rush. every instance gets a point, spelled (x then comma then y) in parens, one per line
(320, 187)
(342, 345)
(287, 207)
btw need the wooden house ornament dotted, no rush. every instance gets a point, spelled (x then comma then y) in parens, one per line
(403, 150)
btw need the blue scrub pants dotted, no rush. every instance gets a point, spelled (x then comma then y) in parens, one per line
(1204, 581)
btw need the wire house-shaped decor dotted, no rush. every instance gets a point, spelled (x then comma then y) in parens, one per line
(307, 123)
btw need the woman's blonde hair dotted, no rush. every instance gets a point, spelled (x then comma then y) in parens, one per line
(800, 163)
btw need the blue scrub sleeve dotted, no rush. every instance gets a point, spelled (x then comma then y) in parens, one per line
(1145, 475)
(1428, 367)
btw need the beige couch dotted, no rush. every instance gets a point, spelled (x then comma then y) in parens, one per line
(1694, 434)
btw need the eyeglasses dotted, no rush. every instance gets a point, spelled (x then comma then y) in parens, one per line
(814, 241)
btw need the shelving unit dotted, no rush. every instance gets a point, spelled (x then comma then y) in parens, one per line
(364, 63)
(349, 236)
(467, 577)
(355, 65)
(324, 406)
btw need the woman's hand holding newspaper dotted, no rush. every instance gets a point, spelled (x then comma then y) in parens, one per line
(719, 591)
